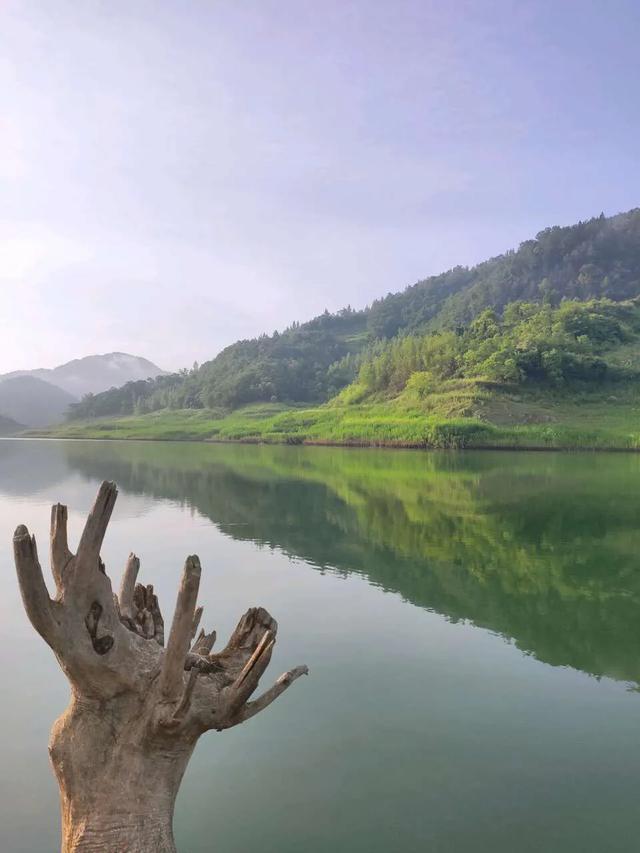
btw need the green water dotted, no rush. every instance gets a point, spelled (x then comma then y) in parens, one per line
(471, 622)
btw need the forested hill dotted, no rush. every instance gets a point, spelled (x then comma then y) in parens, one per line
(596, 258)
(311, 362)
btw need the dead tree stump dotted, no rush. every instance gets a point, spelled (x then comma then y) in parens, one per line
(120, 749)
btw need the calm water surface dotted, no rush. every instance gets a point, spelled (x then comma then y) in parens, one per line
(471, 622)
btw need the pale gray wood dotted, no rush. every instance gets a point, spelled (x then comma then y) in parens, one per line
(120, 749)
(263, 646)
(259, 704)
(180, 635)
(204, 642)
(128, 585)
(33, 588)
(97, 521)
(196, 621)
(60, 555)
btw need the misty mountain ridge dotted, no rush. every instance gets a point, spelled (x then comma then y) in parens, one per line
(93, 373)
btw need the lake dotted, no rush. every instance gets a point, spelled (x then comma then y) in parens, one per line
(471, 622)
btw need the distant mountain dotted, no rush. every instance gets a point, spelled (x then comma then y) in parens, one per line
(33, 402)
(93, 374)
(9, 426)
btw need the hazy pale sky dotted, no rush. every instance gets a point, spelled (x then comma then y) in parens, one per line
(178, 175)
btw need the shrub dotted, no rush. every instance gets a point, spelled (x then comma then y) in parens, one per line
(454, 434)
(421, 384)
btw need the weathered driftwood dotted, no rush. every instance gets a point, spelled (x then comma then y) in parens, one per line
(120, 749)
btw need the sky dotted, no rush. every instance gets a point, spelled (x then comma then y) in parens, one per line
(175, 176)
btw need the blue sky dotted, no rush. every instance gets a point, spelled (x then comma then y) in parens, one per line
(175, 176)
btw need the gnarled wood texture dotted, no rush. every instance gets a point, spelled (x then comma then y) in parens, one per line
(120, 749)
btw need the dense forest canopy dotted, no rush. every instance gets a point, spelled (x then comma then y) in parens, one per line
(310, 362)
(528, 343)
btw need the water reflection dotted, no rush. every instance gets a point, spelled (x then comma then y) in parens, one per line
(541, 548)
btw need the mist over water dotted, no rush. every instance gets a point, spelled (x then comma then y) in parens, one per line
(471, 622)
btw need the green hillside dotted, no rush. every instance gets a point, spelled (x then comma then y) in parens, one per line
(533, 376)
(593, 259)
(451, 362)
(311, 362)
(578, 345)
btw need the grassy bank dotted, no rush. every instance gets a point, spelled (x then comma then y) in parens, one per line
(461, 415)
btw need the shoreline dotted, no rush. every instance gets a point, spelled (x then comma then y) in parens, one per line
(355, 445)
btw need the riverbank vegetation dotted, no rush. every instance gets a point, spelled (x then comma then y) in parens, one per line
(500, 419)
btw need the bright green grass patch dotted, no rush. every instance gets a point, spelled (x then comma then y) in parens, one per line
(459, 414)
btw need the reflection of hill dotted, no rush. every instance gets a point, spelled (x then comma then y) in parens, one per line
(541, 548)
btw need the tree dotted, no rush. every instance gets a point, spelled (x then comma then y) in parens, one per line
(137, 709)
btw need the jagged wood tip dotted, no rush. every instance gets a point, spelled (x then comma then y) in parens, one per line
(181, 627)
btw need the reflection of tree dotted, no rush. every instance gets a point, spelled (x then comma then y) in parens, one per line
(538, 547)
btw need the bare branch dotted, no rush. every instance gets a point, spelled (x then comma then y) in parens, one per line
(158, 621)
(247, 682)
(96, 525)
(146, 624)
(60, 554)
(250, 629)
(128, 585)
(204, 643)
(196, 621)
(139, 601)
(262, 702)
(143, 615)
(171, 677)
(185, 702)
(35, 595)
(267, 640)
